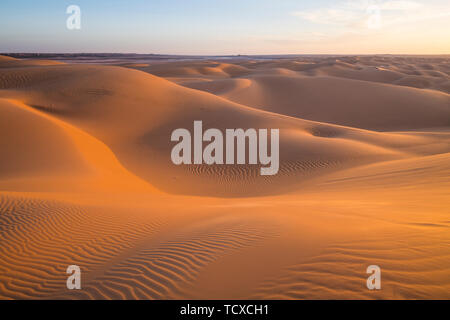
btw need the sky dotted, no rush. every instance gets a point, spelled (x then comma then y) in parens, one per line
(222, 27)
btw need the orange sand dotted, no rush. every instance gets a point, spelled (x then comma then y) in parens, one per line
(86, 179)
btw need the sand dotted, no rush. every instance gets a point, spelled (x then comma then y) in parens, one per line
(86, 179)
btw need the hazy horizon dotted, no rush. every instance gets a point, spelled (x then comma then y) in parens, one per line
(223, 55)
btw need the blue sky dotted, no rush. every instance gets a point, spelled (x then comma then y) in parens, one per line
(228, 26)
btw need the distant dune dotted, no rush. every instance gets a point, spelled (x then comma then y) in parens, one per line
(86, 178)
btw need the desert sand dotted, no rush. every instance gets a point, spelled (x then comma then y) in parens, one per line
(86, 179)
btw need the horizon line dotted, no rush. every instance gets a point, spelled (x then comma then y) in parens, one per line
(221, 55)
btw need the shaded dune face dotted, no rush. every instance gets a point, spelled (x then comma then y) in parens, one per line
(355, 103)
(86, 178)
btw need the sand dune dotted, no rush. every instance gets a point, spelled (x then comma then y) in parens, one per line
(162, 271)
(346, 103)
(343, 264)
(9, 62)
(153, 107)
(55, 155)
(195, 69)
(431, 72)
(41, 237)
(86, 178)
(403, 228)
